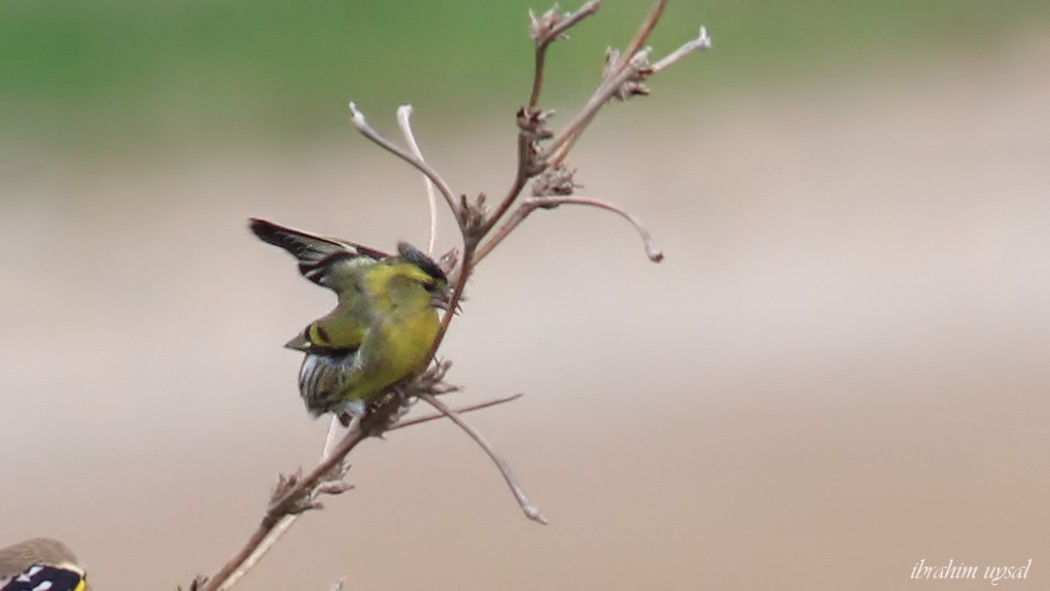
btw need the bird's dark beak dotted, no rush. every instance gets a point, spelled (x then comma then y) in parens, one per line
(439, 302)
(442, 299)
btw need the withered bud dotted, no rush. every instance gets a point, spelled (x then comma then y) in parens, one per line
(540, 28)
(635, 83)
(555, 181)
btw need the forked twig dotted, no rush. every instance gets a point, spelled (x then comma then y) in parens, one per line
(368, 131)
(547, 29)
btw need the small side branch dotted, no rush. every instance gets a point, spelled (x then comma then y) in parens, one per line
(404, 120)
(655, 254)
(531, 511)
(461, 410)
(294, 495)
(702, 42)
(547, 29)
(560, 146)
(369, 132)
(642, 36)
(530, 204)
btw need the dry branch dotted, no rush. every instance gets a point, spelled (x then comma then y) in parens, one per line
(541, 159)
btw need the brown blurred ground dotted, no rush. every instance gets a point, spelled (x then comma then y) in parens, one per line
(840, 369)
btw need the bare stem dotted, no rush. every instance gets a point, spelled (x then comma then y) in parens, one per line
(703, 41)
(329, 439)
(548, 36)
(281, 514)
(459, 285)
(531, 511)
(521, 177)
(515, 219)
(362, 125)
(261, 549)
(404, 120)
(460, 410)
(655, 254)
(640, 38)
(560, 146)
(546, 30)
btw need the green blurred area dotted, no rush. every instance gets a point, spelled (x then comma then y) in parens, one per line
(117, 73)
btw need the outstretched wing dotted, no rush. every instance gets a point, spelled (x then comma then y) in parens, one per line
(329, 262)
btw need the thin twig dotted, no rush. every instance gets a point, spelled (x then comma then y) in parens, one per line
(281, 514)
(559, 147)
(261, 549)
(521, 178)
(545, 30)
(655, 254)
(404, 120)
(460, 410)
(459, 285)
(546, 36)
(369, 132)
(639, 39)
(531, 511)
(703, 41)
(518, 216)
(530, 204)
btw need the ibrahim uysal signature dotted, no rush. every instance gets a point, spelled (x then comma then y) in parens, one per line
(960, 570)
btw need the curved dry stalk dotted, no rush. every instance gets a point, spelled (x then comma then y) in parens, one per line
(655, 254)
(530, 204)
(404, 120)
(369, 132)
(531, 511)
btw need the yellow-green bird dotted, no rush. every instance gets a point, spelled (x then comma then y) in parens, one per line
(382, 327)
(40, 563)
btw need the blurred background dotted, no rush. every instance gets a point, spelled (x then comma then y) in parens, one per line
(839, 370)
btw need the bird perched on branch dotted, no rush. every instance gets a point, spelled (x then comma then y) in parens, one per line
(38, 564)
(382, 328)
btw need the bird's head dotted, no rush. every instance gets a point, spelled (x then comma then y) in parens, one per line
(422, 269)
